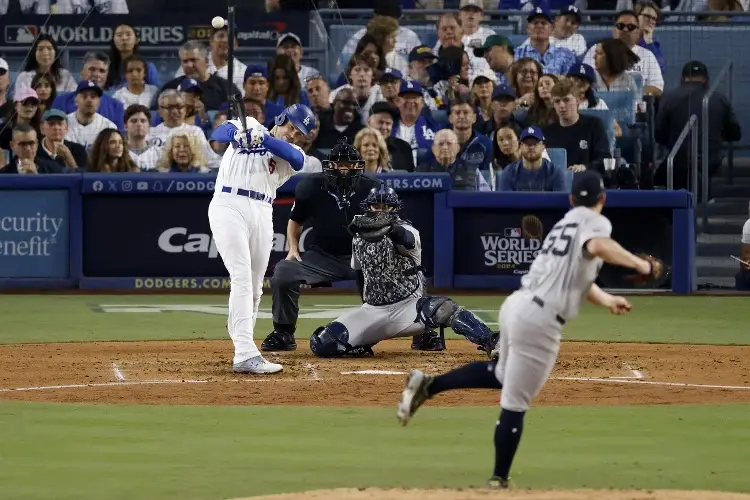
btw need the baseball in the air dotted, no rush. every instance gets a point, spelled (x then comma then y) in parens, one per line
(217, 22)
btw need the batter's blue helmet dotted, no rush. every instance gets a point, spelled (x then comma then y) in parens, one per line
(300, 116)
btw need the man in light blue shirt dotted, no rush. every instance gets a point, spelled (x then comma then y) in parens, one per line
(532, 172)
(556, 60)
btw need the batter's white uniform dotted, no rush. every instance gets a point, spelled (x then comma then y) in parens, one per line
(241, 220)
(531, 319)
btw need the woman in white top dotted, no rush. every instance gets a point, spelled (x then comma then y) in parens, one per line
(371, 145)
(384, 30)
(45, 59)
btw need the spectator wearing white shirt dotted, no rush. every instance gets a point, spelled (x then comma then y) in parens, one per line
(565, 31)
(85, 6)
(85, 124)
(137, 128)
(385, 91)
(44, 59)
(471, 13)
(136, 91)
(291, 45)
(584, 78)
(172, 110)
(406, 39)
(385, 31)
(218, 57)
(450, 34)
(626, 28)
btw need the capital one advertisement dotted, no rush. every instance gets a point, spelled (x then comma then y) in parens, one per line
(160, 236)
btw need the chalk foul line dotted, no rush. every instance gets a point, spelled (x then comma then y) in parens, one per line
(651, 382)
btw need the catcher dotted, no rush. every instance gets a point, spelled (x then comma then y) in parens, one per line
(386, 256)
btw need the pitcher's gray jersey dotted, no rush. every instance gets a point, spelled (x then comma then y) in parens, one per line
(385, 268)
(563, 271)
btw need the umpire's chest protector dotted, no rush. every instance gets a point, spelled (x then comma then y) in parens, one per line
(386, 272)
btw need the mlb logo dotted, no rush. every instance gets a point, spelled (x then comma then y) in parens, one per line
(512, 232)
(21, 34)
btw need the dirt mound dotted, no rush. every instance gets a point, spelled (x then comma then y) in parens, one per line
(481, 494)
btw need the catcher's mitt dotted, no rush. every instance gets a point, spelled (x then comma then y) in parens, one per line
(372, 227)
(659, 272)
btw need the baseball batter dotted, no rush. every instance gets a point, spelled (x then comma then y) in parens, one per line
(387, 256)
(531, 319)
(255, 164)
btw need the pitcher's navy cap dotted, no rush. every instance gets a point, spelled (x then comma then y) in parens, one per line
(587, 187)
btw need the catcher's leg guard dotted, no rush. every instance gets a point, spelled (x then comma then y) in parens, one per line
(443, 312)
(330, 341)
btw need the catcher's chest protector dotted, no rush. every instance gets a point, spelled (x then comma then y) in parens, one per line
(383, 268)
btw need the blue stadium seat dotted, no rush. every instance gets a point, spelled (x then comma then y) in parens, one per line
(440, 117)
(422, 153)
(568, 179)
(498, 179)
(638, 82)
(211, 114)
(608, 119)
(622, 105)
(558, 156)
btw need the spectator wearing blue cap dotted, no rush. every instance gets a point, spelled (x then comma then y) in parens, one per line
(135, 90)
(582, 136)
(444, 158)
(565, 31)
(532, 172)
(53, 146)
(475, 148)
(503, 105)
(414, 127)
(555, 60)
(291, 45)
(194, 63)
(584, 78)
(95, 69)
(85, 124)
(386, 90)
(256, 87)
(218, 58)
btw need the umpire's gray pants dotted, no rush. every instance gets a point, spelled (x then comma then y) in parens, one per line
(529, 344)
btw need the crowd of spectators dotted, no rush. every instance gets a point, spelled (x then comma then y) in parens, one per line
(493, 115)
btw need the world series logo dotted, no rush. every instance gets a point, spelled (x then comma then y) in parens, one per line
(516, 247)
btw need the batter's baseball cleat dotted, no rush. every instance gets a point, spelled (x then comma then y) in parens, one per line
(279, 341)
(413, 396)
(498, 483)
(257, 365)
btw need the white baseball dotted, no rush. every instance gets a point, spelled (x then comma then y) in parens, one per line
(217, 22)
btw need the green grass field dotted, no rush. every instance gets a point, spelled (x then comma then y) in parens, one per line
(210, 452)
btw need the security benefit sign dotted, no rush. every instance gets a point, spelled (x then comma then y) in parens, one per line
(499, 243)
(34, 234)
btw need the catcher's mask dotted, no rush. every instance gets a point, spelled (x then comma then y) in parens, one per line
(382, 200)
(343, 168)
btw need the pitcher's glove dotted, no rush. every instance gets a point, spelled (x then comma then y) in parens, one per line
(659, 271)
(372, 227)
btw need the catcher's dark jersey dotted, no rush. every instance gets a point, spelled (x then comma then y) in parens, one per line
(563, 271)
(384, 265)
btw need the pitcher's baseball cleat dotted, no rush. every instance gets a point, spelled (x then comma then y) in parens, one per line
(498, 483)
(413, 396)
(257, 365)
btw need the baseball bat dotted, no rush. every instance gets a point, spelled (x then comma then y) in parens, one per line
(230, 40)
(237, 108)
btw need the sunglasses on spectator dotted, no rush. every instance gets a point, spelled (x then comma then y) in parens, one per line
(626, 27)
(30, 102)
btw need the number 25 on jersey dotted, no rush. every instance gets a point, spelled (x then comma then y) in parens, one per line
(559, 239)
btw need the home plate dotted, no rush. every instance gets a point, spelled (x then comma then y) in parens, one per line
(373, 372)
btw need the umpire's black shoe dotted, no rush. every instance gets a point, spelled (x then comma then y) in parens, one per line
(427, 341)
(279, 341)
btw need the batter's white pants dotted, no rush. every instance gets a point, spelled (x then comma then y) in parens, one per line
(243, 232)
